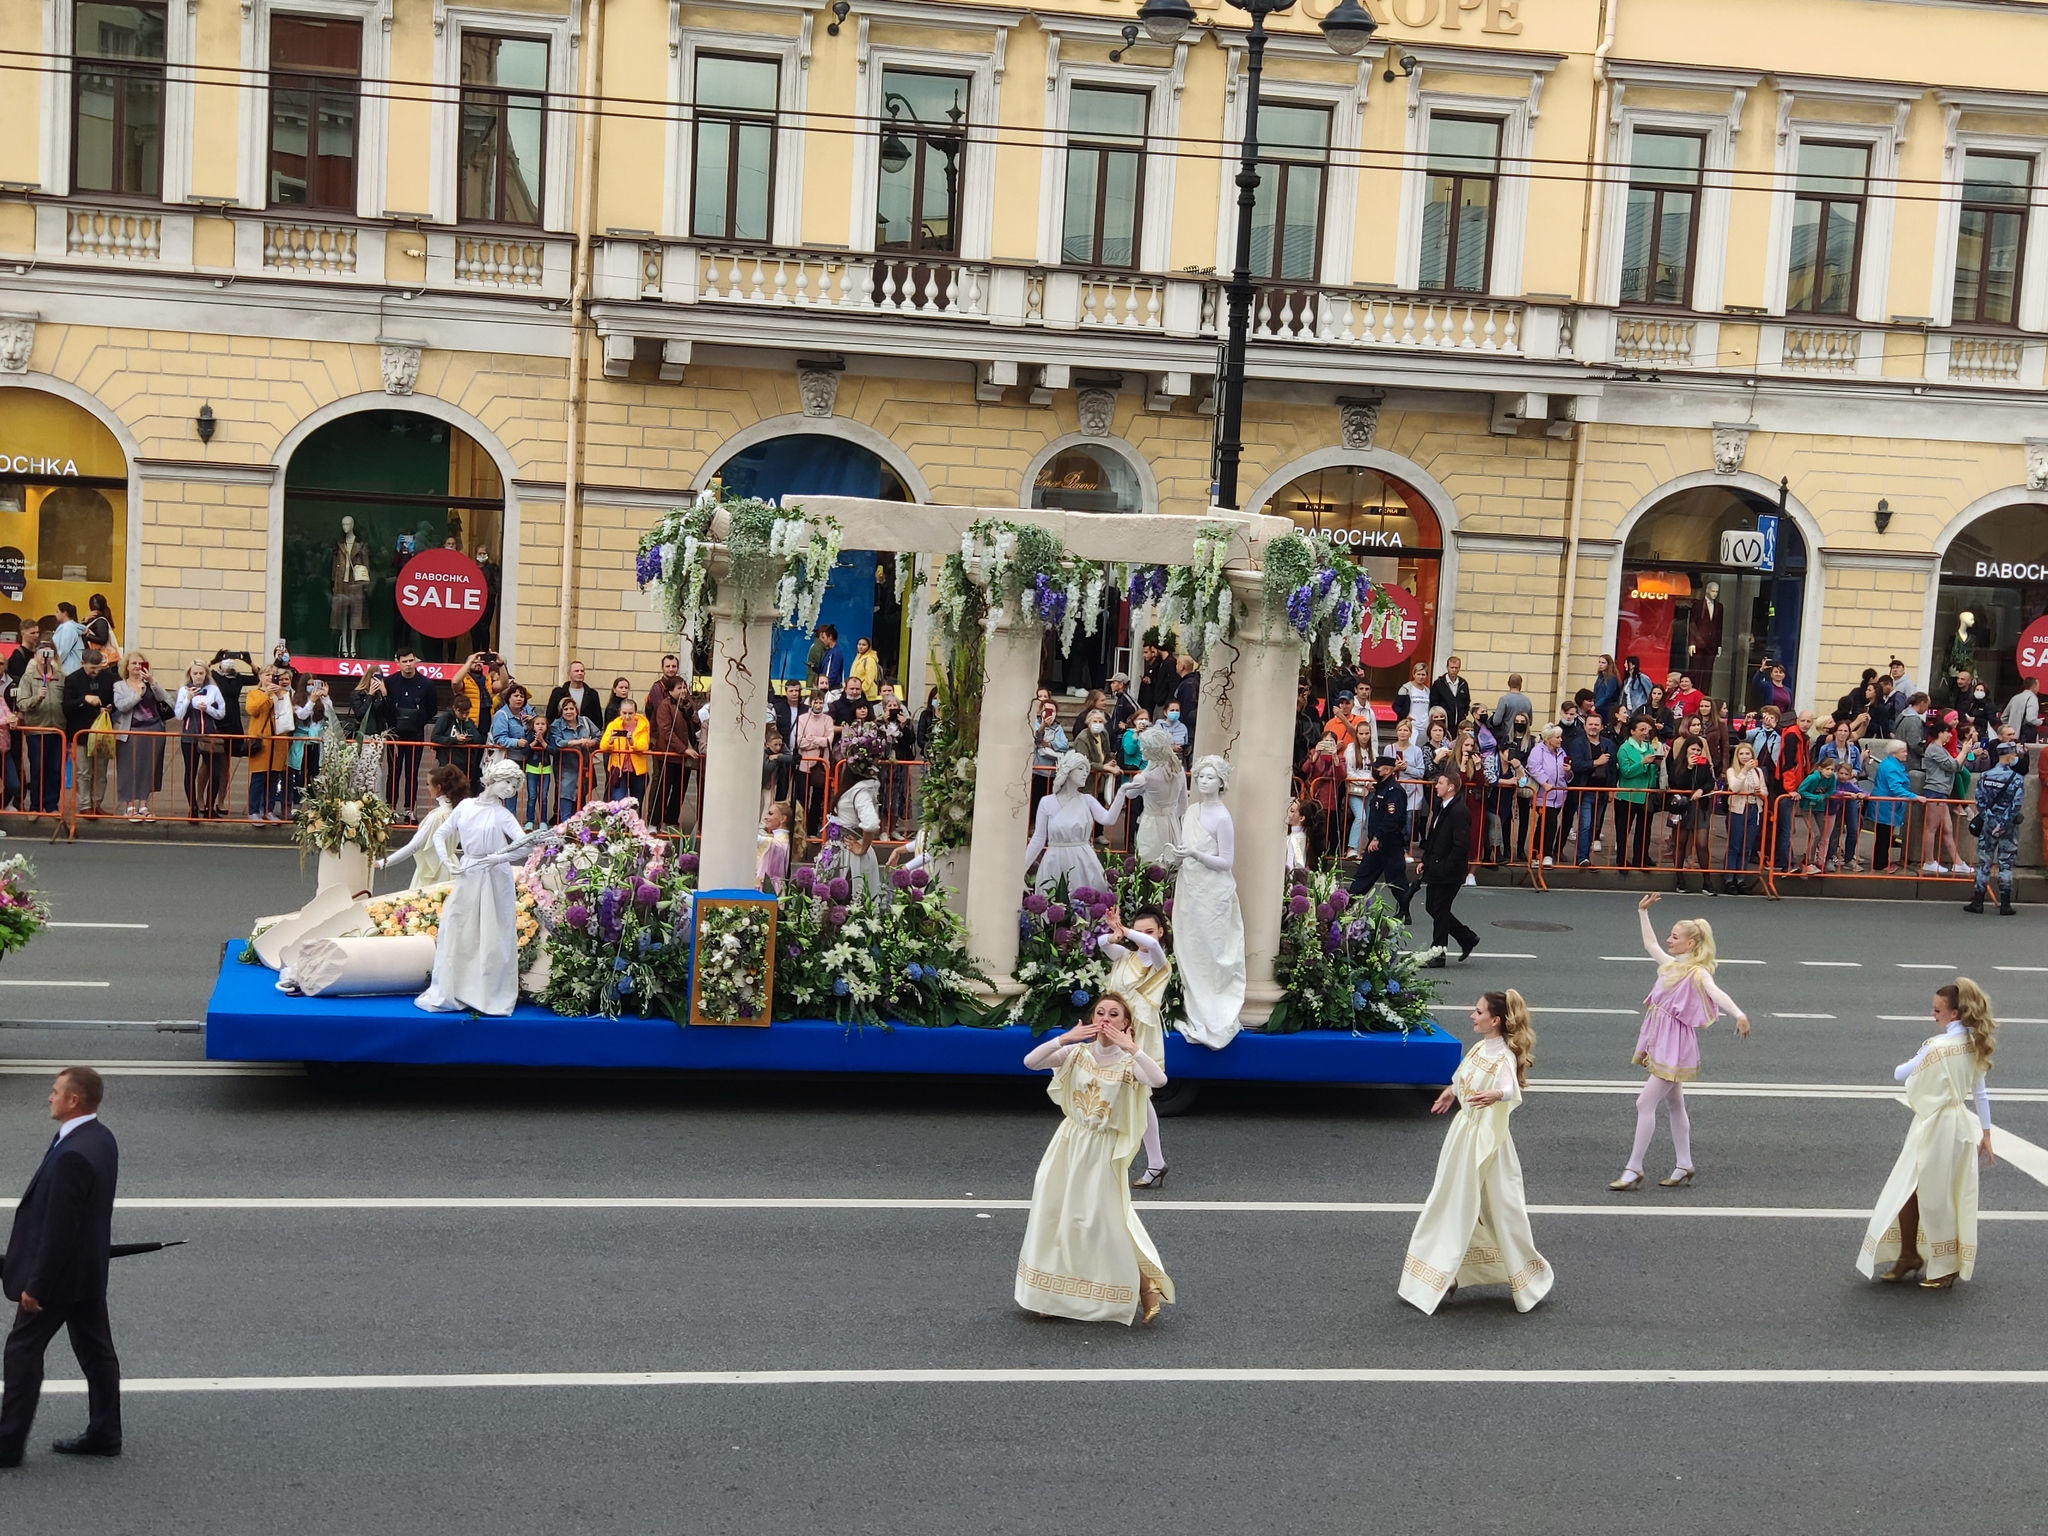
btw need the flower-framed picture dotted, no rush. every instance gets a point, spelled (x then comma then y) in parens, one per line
(732, 958)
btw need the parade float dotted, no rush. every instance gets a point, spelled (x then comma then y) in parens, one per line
(630, 953)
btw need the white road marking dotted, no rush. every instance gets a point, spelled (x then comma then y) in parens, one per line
(1764, 1090)
(1802, 1015)
(1070, 1375)
(1502, 954)
(2031, 970)
(2021, 1153)
(1924, 965)
(17, 1067)
(1623, 1012)
(1921, 1018)
(26, 983)
(978, 1207)
(1652, 960)
(95, 925)
(1852, 964)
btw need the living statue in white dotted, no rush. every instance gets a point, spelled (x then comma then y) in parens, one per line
(476, 953)
(1163, 789)
(1066, 821)
(1205, 913)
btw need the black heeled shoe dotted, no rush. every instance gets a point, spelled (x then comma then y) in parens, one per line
(1151, 1178)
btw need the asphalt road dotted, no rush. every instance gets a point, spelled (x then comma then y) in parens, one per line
(549, 1291)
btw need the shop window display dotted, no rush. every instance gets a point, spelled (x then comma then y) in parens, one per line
(63, 506)
(1994, 584)
(1684, 609)
(363, 495)
(1387, 524)
(1088, 480)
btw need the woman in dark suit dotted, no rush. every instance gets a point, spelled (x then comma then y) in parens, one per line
(1446, 860)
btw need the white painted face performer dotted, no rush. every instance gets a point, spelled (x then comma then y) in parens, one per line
(1162, 789)
(476, 953)
(1063, 827)
(1206, 916)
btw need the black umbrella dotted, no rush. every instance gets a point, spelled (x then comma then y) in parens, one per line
(123, 1250)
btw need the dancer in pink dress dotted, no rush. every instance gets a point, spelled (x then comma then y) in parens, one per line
(1684, 1001)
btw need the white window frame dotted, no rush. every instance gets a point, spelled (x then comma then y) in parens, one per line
(1346, 105)
(1873, 273)
(977, 162)
(792, 56)
(1516, 116)
(373, 110)
(1710, 237)
(181, 27)
(558, 128)
(2033, 296)
(1162, 122)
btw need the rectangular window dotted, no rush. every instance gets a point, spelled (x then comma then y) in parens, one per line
(734, 109)
(1105, 176)
(315, 76)
(1287, 211)
(923, 146)
(1458, 203)
(117, 99)
(504, 121)
(1661, 217)
(1827, 229)
(1989, 238)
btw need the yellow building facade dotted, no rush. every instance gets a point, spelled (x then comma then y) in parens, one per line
(1702, 332)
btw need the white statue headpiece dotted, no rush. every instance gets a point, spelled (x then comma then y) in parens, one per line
(1219, 765)
(502, 780)
(1071, 765)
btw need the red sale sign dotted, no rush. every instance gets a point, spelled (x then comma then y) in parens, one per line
(2033, 651)
(442, 593)
(1390, 637)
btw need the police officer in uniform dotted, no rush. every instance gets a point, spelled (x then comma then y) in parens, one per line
(1386, 836)
(2000, 794)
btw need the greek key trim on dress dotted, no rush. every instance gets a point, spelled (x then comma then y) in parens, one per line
(1477, 1255)
(1524, 1277)
(1070, 1285)
(1434, 1278)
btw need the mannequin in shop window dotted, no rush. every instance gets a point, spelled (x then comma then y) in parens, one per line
(349, 586)
(1703, 632)
(1970, 636)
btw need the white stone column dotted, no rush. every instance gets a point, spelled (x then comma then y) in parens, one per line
(1002, 800)
(734, 737)
(1247, 716)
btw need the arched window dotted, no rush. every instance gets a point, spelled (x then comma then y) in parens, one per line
(75, 536)
(1088, 479)
(1996, 573)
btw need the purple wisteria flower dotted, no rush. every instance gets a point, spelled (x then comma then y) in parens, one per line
(609, 925)
(1341, 616)
(1158, 582)
(1362, 589)
(647, 566)
(1300, 610)
(1325, 579)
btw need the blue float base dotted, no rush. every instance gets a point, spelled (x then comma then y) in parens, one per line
(248, 1019)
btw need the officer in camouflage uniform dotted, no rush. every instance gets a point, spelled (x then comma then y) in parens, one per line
(2000, 794)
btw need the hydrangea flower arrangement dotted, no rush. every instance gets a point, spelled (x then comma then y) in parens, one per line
(23, 913)
(1343, 965)
(616, 907)
(1061, 968)
(881, 960)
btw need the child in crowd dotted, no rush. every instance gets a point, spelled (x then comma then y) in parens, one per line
(1297, 837)
(1829, 795)
(781, 837)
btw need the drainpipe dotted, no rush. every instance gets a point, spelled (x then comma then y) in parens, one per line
(1589, 235)
(579, 308)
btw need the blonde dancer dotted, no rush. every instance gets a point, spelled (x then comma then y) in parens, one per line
(1086, 1255)
(1139, 973)
(1684, 1001)
(1474, 1228)
(1926, 1219)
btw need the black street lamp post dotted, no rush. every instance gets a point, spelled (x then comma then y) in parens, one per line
(1347, 29)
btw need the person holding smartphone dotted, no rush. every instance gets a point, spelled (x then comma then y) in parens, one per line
(140, 709)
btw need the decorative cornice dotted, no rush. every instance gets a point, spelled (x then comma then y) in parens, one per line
(1925, 561)
(1474, 542)
(203, 471)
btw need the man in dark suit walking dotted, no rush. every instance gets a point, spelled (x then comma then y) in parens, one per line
(55, 1272)
(1446, 860)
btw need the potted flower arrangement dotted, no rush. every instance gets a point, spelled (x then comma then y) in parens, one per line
(340, 816)
(615, 904)
(417, 914)
(899, 958)
(23, 913)
(1342, 963)
(731, 978)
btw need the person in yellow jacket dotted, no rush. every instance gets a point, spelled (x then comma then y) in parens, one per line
(624, 749)
(267, 709)
(867, 666)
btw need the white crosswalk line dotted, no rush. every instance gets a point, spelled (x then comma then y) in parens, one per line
(2021, 1153)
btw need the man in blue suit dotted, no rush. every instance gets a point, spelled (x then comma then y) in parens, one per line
(55, 1271)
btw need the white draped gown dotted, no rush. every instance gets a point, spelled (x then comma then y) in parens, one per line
(1060, 843)
(476, 952)
(1084, 1247)
(1208, 940)
(1951, 1111)
(427, 868)
(1474, 1228)
(859, 812)
(1165, 793)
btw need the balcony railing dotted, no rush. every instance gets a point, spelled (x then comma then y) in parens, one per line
(1652, 342)
(1985, 359)
(1820, 349)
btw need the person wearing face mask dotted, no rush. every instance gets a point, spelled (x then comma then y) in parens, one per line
(1176, 732)
(1100, 748)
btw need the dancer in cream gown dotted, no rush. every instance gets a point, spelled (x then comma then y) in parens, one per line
(476, 952)
(1474, 1228)
(1139, 972)
(1164, 788)
(450, 786)
(1086, 1255)
(1926, 1219)
(1206, 913)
